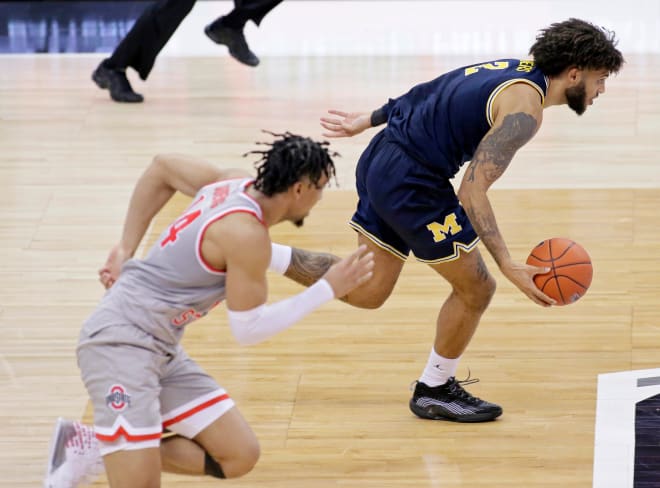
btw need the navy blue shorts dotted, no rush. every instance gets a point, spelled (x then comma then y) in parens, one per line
(404, 206)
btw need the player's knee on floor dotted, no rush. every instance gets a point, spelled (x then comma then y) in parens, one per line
(233, 467)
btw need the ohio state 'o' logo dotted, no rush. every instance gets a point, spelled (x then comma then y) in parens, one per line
(118, 398)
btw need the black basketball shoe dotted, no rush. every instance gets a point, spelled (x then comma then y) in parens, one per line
(451, 402)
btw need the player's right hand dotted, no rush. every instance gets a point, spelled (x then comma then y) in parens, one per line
(522, 275)
(349, 124)
(109, 273)
(350, 272)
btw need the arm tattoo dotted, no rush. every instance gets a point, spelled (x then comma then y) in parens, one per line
(497, 149)
(489, 163)
(308, 267)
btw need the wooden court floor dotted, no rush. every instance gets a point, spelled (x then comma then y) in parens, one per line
(328, 398)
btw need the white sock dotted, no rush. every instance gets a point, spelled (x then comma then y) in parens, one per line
(438, 369)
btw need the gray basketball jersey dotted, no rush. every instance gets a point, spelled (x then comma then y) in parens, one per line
(173, 285)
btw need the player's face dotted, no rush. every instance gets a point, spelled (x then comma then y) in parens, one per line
(591, 84)
(576, 97)
(310, 195)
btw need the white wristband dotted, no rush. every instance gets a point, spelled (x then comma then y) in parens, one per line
(280, 258)
(260, 323)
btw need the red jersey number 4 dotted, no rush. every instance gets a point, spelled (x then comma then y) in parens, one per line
(220, 194)
(180, 224)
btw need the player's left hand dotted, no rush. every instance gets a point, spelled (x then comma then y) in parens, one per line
(349, 124)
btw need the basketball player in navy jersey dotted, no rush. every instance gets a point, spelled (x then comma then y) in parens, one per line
(139, 379)
(482, 113)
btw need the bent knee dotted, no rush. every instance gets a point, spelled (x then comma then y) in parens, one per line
(245, 467)
(242, 464)
(371, 295)
(367, 300)
(486, 291)
(247, 461)
(478, 296)
(490, 287)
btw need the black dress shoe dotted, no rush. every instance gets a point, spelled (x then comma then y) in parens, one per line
(234, 40)
(115, 80)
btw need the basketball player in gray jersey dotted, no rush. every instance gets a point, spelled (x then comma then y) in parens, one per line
(139, 379)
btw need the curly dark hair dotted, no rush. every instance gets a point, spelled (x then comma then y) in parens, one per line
(290, 158)
(578, 43)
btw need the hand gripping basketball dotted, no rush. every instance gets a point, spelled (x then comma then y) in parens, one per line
(570, 272)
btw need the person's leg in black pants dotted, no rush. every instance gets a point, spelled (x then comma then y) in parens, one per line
(140, 48)
(228, 30)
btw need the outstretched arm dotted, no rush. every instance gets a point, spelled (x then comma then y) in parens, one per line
(348, 124)
(247, 255)
(517, 120)
(302, 266)
(307, 267)
(165, 175)
(345, 124)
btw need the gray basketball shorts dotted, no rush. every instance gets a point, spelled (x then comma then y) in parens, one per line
(141, 386)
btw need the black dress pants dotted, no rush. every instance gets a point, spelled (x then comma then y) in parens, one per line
(158, 22)
(244, 10)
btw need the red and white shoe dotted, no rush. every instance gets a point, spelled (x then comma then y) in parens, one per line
(74, 457)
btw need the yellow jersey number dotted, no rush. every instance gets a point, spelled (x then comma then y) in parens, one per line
(496, 65)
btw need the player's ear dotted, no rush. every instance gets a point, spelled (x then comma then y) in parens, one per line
(574, 74)
(297, 188)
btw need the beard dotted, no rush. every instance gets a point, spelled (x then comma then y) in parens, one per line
(576, 96)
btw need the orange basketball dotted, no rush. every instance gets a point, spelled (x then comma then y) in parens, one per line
(570, 269)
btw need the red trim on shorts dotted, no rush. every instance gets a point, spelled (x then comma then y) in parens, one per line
(132, 438)
(196, 409)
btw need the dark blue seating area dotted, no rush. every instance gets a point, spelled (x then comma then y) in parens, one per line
(65, 26)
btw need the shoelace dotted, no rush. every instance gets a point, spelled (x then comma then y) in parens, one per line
(456, 387)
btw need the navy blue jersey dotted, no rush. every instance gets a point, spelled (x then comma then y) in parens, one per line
(441, 122)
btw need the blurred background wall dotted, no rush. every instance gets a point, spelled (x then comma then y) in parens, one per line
(332, 28)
